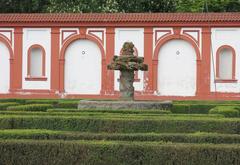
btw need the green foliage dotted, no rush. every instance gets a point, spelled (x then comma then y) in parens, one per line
(20, 101)
(227, 111)
(55, 103)
(41, 101)
(111, 115)
(207, 102)
(93, 136)
(129, 111)
(134, 124)
(206, 5)
(30, 107)
(67, 104)
(115, 152)
(23, 6)
(4, 105)
(191, 108)
(113, 6)
(201, 107)
(198, 137)
(143, 6)
(146, 6)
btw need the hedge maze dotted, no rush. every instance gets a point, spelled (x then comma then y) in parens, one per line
(48, 132)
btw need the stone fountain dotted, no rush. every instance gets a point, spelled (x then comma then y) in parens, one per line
(127, 64)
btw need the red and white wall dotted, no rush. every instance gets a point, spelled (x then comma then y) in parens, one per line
(226, 48)
(71, 62)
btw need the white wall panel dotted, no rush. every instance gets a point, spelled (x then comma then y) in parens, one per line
(41, 36)
(220, 37)
(135, 35)
(83, 68)
(177, 69)
(4, 68)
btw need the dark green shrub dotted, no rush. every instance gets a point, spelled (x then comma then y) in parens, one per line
(181, 109)
(67, 104)
(134, 124)
(4, 105)
(208, 102)
(41, 101)
(227, 111)
(7, 100)
(42, 152)
(30, 107)
(130, 111)
(20, 101)
(130, 114)
(200, 107)
(191, 108)
(165, 137)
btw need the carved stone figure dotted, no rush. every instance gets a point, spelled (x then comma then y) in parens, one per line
(127, 63)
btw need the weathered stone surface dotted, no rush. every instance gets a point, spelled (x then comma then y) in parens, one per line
(126, 85)
(127, 63)
(128, 48)
(123, 105)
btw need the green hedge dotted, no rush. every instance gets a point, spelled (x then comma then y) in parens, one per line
(31, 107)
(227, 111)
(4, 105)
(198, 137)
(130, 111)
(30, 152)
(67, 104)
(212, 102)
(110, 115)
(41, 101)
(203, 108)
(20, 101)
(122, 125)
(191, 108)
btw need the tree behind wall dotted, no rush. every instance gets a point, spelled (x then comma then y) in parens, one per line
(111, 6)
(23, 6)
(86, 6)
(144, 6)
(208, 5)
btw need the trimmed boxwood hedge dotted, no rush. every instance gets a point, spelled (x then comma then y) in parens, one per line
(67, 104)
(142, 116)
(129, 111)
(41, 101)
(198, 137)
(30, 107)
(125, 125)
(41, 152)
(198, 108)
(192, 108)
(21, 101)
(227, 111)
(4, 105)
(215, 102)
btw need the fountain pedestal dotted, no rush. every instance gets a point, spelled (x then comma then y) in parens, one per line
(127, 64)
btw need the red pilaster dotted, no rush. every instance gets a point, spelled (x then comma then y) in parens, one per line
(16, 79)
(110, 42)
(148, 54)
(55, 50)
(61, 75)
(206, 62)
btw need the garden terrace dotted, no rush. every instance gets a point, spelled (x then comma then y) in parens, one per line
(56, 132)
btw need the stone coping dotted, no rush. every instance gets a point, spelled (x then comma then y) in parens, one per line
(105, 104)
